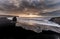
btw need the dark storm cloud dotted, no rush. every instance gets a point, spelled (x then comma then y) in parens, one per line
(6, 5)
(29, 4)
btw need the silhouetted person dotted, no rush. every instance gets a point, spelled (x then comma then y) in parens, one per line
(14, 20)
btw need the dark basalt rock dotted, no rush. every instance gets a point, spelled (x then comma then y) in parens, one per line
(9, 31)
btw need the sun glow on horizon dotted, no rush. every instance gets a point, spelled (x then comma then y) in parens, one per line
(30, 15)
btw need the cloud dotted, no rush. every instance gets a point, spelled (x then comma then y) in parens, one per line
(22, 5)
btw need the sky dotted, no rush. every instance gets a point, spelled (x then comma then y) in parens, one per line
(29, 6)
(15, 4)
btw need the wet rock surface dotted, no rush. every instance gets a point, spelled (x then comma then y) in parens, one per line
(9, 31)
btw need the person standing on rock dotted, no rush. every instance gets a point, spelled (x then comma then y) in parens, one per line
(14, 20)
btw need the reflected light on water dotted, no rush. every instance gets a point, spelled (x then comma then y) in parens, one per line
(30, 22)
